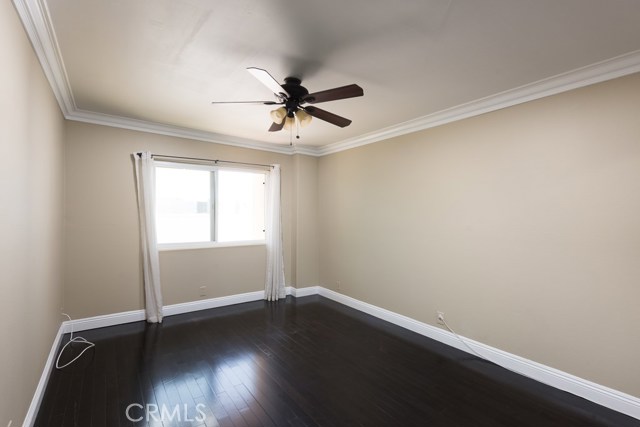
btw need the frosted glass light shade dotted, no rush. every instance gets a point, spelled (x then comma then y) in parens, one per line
(289, 123)
(303, 117)
(278, 115)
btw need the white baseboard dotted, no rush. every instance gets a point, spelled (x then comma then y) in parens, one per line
(168, 310)
(304, 292)
(95, 322)
(32, 412)
(605, 396)
(610, 398)
(188, 307)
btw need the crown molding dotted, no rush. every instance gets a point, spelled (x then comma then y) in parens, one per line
(37, 23)
(595, 73)
(308, 150)
(170, 130)
(181, 132)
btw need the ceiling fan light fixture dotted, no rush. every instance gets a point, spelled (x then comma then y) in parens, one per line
(291, 95)
(289, 123)
(278, 115)
(303, 117)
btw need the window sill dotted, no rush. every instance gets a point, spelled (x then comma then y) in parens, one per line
(207, 245)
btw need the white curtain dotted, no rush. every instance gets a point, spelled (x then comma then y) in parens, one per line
(145, 186)
(274, 286)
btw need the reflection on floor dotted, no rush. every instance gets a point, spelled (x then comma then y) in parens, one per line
(300, 362)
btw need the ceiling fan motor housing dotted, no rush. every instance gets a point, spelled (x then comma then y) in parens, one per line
(296, 92)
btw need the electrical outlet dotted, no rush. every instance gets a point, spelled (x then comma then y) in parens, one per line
(338, 285)
(440, 317)
(203, 291)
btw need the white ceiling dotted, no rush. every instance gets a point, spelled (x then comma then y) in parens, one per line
(164, 61)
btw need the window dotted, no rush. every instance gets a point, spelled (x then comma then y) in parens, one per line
(198, 205)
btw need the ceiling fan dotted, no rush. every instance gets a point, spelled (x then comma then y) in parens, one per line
(292, 97)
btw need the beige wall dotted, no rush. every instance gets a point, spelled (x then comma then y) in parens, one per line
(305, 262)
(31, 198)
(103, 273)
(522, 225)
(224, 271)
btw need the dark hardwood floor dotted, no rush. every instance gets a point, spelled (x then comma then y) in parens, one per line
(300, 362)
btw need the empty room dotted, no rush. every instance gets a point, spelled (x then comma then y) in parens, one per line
(294, 213)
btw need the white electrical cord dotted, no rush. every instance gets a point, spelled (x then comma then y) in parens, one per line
(72, 339)
(462, 340)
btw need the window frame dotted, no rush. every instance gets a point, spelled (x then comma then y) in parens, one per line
(213, 216)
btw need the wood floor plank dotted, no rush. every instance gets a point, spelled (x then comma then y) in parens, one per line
(300, 362)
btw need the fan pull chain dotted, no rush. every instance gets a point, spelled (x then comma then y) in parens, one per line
(291, 136)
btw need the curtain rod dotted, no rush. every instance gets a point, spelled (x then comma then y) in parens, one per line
(215, 161)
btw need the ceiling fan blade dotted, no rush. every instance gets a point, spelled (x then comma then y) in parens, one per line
(334, 119)
(266, 79)
(349, 91)
(248, 102)
(275, 127)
